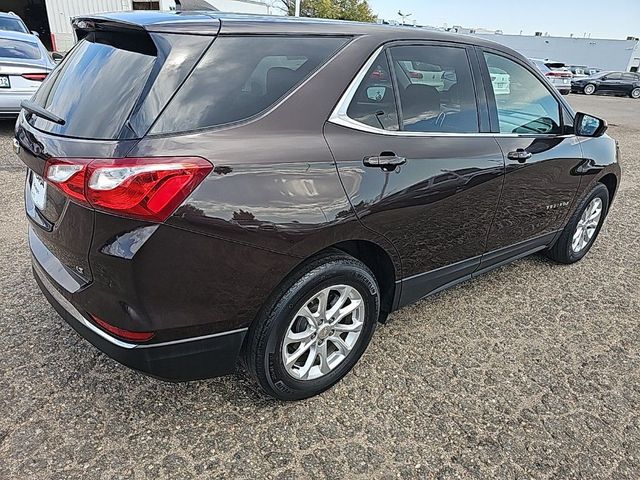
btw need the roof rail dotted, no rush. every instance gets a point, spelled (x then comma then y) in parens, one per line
(194, 5)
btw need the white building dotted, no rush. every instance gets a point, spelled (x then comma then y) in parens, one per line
(52, 18)
(605, 54)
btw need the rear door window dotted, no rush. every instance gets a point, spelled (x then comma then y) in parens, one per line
(374, 102)
(19, 50)
(241, 77)
(436, 89)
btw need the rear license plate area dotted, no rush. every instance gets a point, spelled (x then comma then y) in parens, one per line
(4, 81)
(38, 191)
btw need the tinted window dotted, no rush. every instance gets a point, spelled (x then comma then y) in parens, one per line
(97, 84)
(240, 77)
(374, 102)
(12, 25)
(614, 76)
(630, 77)
(18, 49)
(541, 66)
(524, 103)
(435, 88)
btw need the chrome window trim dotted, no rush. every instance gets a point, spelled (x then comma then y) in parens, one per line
(339, 115)
(73, 311)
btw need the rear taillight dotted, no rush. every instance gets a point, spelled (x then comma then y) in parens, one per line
(145, 188)
(36, 77)
(122, 333)
(559, 74)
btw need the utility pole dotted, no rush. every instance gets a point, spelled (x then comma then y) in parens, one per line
(297, 8)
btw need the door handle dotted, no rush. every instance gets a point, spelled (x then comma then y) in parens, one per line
(386, 161)
(521, 155)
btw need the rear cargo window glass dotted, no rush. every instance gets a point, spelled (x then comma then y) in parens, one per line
(240, 77)
(97, 84)
(12, 25)
(18, 49)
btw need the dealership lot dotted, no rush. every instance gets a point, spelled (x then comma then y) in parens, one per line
(530, 371)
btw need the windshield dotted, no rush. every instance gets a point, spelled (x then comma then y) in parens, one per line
(19, 49)
(12, 25)
(96, 86)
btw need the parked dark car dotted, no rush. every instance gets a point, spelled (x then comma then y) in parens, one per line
(617, 83)
(209, 189)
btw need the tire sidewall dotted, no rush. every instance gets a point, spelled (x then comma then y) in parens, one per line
(637, 96)
(279, 380)
(586, 89)
(601, 192)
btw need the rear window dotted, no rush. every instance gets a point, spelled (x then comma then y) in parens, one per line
(12, 25)
(18, 49)
(96, 86)
(240, 77)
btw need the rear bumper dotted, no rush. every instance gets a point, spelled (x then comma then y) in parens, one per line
(10, 102)
(178, 360)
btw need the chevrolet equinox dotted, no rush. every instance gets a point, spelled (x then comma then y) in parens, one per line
(206, 190)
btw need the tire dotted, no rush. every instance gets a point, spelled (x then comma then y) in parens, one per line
(572, 247)
(589, 89)
(269, 337)
(635, 93)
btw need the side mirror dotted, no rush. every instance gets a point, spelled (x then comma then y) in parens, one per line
(376, 94)
(35, 33)
(589, 126)
(57, 56)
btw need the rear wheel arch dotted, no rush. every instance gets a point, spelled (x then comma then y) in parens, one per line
(379, 261)
(384, 265)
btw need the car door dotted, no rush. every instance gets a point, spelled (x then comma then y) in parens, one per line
(533, 129)
(612, 83)
(417, 160)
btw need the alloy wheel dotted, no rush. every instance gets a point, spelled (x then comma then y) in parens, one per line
(589, 89)
(635, 93)
(323, 332)
(587, 225)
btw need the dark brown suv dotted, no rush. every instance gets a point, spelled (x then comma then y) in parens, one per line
(204, 189)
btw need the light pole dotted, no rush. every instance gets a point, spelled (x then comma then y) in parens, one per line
(403, 16)
(297, 8)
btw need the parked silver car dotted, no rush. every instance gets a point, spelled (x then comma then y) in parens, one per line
(556, 73)
(24, 64)
(13, 23)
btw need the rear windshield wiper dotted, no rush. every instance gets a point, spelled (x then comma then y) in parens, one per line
(37, 110)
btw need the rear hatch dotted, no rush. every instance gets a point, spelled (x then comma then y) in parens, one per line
(108, 91)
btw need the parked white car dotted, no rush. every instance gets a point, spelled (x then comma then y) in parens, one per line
(24, 65)
(500, 80)
(556, 72)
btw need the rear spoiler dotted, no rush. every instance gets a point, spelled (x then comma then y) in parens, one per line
(194, 23)
(194, 6)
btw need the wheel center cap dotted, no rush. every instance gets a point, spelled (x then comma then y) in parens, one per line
(323, 332)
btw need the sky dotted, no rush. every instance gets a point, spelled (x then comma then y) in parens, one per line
(600, 18)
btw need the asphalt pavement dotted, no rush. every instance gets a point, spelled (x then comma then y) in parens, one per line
(531, 371)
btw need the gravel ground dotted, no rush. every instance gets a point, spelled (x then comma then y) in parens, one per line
(532, 371)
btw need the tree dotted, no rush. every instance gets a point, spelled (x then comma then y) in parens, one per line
(358, 10)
